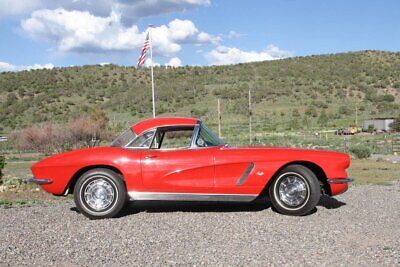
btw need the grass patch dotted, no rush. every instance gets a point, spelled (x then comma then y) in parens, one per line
(19, 170)
(374, 172)
(6, 203)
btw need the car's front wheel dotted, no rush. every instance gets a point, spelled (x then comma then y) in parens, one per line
(295, 191)
(100, 193)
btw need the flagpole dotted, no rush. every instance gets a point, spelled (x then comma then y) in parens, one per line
(152, 74)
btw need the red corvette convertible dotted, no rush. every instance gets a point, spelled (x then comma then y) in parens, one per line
(181, 159)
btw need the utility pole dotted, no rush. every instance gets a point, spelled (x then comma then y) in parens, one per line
(219, 117)
(250, 114)
(356, 116)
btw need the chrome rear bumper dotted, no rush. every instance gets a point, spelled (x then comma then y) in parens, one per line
(38, 181)
(340, 180)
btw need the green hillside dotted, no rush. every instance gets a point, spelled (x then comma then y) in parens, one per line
(296, 93)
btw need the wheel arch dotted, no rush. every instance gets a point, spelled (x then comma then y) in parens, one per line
(315, 168)
(70, 187)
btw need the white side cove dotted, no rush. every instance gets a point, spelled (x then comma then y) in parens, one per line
(191, 196)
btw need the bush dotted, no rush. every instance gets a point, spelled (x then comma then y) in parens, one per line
(2, 165)
(371, 128)
(48, 138)
(361, 152)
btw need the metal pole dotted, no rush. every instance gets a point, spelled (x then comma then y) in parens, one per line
(219, 118)
(356, 116)
(152, 74)
(250, 113)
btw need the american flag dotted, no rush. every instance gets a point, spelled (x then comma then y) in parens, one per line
(142, 57)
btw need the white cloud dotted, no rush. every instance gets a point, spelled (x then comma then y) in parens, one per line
(4, 67)
(234, 35)
(15, 7)
(147, 63)
(223, 55)
(204, 37)
(80, 31)
(130, 10)
(174, 62)
(181, 30)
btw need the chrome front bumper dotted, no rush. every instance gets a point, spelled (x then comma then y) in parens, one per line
(340, 180)
(38, 181)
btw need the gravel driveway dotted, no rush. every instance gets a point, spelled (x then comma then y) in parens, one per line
(361, 227)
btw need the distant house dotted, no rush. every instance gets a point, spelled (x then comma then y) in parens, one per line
(379, 124)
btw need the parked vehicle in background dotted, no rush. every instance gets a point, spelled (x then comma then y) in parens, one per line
(181, 159)
(351, 130)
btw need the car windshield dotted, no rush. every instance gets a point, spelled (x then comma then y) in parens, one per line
(207, 138)
(123, 139)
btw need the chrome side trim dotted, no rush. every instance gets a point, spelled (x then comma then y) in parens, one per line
(245, 175)
(191, 196)
(39, 181)
(340, 180)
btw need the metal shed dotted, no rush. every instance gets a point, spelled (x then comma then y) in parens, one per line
(380, 124)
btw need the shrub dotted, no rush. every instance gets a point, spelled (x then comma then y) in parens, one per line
(2, 165)
(370, 128)
(396, 124)
(85, 131)
(361, 152)
(344, 110)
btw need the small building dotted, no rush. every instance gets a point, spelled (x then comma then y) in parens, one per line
(379, 124)
(3, 138)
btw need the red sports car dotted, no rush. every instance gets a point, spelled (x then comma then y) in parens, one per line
(181, 159)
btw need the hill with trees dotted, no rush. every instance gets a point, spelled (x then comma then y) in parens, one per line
(290, 94)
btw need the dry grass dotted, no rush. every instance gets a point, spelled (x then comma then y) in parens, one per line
(374, 172)
(18, 169)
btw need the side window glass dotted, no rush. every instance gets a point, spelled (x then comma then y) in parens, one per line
(143, 140)
(206, 138)
(173, 138)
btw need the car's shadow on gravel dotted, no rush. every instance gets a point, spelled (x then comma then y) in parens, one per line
(193, 206)
(330, 202)
(196, 207)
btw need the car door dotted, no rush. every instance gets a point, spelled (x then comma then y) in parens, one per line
(232, 171)
(172, 165)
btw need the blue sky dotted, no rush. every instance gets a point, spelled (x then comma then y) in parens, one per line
(39, 33)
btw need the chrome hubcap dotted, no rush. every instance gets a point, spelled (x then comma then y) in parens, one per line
(292, 190)
(99, 194)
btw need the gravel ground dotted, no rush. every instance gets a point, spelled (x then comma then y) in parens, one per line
(361, 227)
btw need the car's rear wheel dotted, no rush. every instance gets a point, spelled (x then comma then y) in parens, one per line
(100, 193)
(295, 191)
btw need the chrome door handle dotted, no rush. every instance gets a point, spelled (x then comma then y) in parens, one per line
(150, 157)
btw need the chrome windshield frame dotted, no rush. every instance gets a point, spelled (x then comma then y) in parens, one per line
(196, 133)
